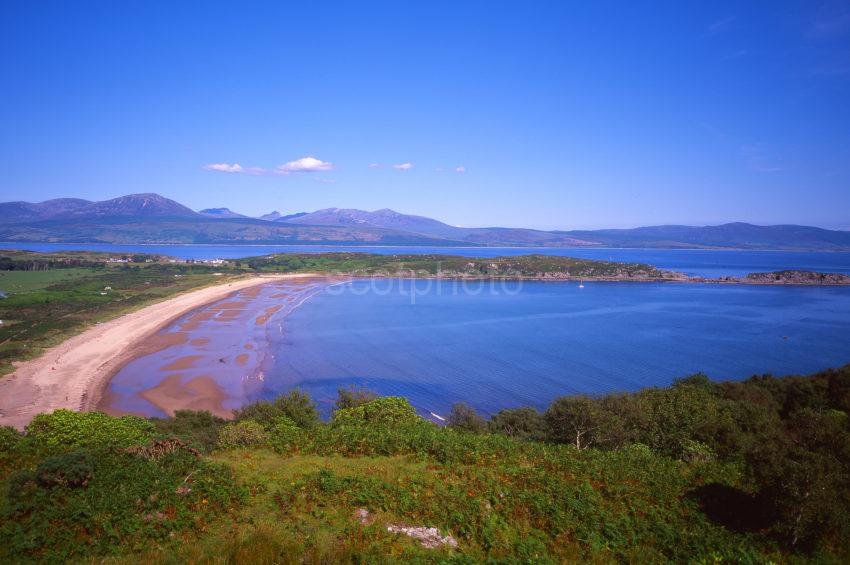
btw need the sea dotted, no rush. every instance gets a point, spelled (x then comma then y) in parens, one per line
(497, 345)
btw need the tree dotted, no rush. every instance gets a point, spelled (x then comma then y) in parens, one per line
(352, 397)
(463, 417)
(520, 423)
(580, 421)
(296, 405)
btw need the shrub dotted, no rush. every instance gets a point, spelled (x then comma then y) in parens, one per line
(199, 429)
(67, 429)
(697, 452)
(386, 410)
(295, 405)
(127, 503)
(159, 448)
(463, 417)
(263, 412)
(578, 420)
(299, 407)
(242, 434)
(353, 397)
(10, 438)
(70, 470)
(520, 423)
(285, 435)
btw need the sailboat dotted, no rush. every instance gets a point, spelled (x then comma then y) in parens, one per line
(581, 284)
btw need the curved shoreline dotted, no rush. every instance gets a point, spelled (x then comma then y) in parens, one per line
(75, 373)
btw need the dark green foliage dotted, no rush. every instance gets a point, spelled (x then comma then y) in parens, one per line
(295, 405)
(104, 501)
(464, 417)
(582, 422)
(790, 436)
(199, 429)
(10, 438)
(352, 397)
(521, 266)
(520, 423)
(69, 470)
(804, 474)
(285, 435)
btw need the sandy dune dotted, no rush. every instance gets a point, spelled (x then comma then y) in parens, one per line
(75, 373)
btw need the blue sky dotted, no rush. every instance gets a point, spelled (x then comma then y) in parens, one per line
(538, 114)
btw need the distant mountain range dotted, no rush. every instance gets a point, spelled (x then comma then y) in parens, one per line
(151, 218)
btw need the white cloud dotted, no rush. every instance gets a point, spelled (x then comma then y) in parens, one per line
(403, 166)
(304, 165)
(375, 165)
(324, 180)
(460, 169)
(224, 168)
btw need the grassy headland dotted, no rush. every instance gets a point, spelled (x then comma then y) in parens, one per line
(454, 266)
(755, 471)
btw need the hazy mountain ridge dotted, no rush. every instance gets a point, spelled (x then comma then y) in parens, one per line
(151, 218)
(220, 213)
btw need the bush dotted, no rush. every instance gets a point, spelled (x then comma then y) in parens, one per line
(66, 429)
(242, 434)
(295, 405)
(285, 435)
(263, 412)
(520, 423)
(386, 410)
(299, 407)
(199, 429)
(72, 470)
(463, 417)
(81, 505)
(10, 438)
(578, 420)
(353, 397)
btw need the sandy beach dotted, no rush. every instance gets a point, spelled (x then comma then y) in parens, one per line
(75, 373)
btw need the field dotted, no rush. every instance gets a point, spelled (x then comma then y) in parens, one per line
(20, 282)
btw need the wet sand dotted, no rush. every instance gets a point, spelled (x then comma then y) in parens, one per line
(199, 393)
(215, 357)
(75, 373)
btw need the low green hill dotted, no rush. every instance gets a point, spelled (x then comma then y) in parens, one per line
(702, 472)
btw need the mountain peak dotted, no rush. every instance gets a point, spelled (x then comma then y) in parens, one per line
(221, 213)
(140, 204)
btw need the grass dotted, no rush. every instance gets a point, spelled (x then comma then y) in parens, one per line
(19, 282)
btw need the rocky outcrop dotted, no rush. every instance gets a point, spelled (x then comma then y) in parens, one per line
(798, 277)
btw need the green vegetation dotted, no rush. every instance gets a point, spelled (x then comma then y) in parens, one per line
(50, 297)
(523, 266)
(755, 472)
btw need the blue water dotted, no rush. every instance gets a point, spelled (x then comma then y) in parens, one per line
(507, 345)
(697, 262)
